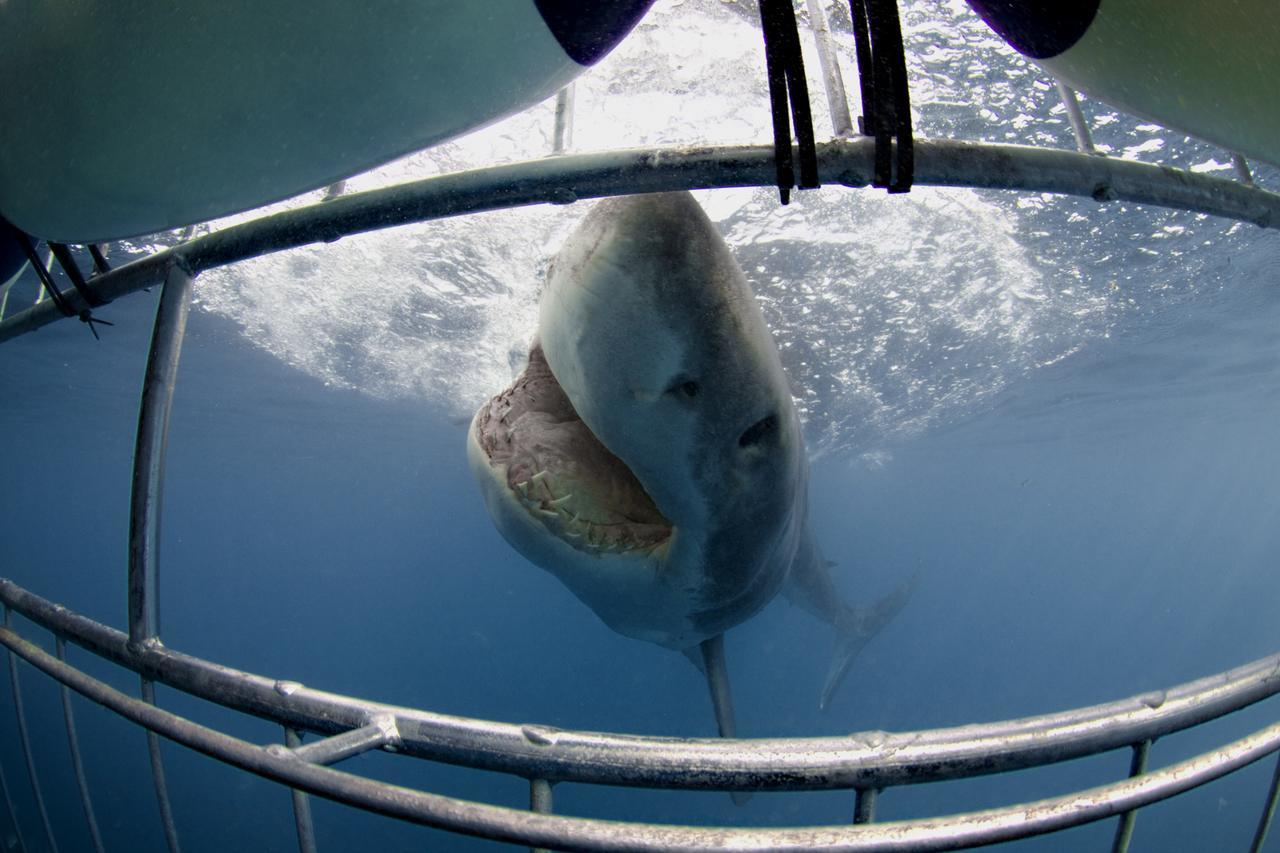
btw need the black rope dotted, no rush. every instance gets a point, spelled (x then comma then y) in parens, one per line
(886, 98)
(788, 97)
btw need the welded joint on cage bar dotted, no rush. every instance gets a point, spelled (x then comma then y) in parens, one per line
(379, 733)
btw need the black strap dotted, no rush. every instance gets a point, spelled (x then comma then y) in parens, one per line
(788, 97)
(886, 98)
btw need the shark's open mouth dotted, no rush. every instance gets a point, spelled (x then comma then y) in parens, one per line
(561, 473)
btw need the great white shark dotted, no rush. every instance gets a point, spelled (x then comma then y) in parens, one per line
(650, 455)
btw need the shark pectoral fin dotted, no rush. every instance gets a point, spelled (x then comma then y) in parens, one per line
(710, 660)
(856, 631)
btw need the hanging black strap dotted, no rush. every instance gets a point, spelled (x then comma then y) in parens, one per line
(788, 97)
(886, 99)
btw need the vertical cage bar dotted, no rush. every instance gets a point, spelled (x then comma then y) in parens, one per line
(1242, 169)
(8, 804)
(157, 774)
(832, 80)
(100, 265)
(864, 805)
(563, 138)
(148, 480)
(540, 802)
(149, 452)
(13, 813)
(1137, 766)
(25, 736)
(1080, 127)
(301, 803)
(73, 741)
(1268, 811)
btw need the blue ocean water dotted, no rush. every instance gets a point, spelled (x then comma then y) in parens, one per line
(1060, 414)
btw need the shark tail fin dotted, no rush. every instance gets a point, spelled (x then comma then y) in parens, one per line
(862, 624)
(711, 661)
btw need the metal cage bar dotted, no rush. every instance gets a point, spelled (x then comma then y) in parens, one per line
(1079, 126)
(569, 178)
(1137, 766)
(562, 134)
(340, 747)
(146, 496)
(570, 833)
(1268, 812)
(540, 802)
(157, 776)
(832, 80)
(866, 759)
(24, 735)
(301, 803)
(13, 813)
(77, 764)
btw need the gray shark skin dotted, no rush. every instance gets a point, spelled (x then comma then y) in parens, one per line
(650, 456)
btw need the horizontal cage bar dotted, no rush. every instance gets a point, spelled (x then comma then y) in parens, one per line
(566, 179)
(585, 834)
(862, 760)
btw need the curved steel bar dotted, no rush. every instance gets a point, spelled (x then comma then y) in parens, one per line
(863, 760)
(25, 737)
(567, 833)
(565, 179)
(149, 452)
(77, 764)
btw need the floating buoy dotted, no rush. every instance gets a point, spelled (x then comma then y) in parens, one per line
(143, 116)
(1208, 69)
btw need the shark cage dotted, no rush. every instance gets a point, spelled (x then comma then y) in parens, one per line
(881, 152)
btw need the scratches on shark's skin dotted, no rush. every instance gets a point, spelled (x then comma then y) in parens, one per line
(650, 455)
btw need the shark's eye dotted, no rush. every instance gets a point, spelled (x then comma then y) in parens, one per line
(684, 388)
(759, 432)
